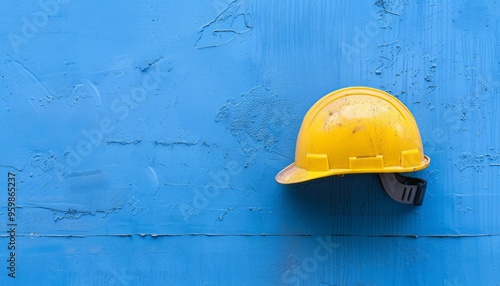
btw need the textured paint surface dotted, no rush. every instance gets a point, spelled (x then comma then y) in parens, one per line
(145, 136)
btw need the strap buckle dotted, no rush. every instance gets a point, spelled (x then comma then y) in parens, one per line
(404, 189)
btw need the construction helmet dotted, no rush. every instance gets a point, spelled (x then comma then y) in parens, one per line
(360, 130)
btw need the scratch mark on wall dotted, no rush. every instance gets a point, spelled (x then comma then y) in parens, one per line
(84, 90)
(44, 161)
(12, 167)
(123, 142)
(135, 208)
(72, 213)
(388, 4)
(390, 43)
(173, 143)
(148, 65)
(69, 213)
(460, 207)
(110, 210)
(177, 184)
(230, 23)
(153, 172)
(28, 74)
(389, 56)
(221, 217)
(84, 173)
(478, 162)
(155, 177)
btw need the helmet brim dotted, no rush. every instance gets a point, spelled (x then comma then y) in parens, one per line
(293, 174)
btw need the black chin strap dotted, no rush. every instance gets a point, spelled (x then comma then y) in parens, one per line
(403, 189)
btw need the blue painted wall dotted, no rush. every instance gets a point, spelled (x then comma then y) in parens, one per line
(145, 136)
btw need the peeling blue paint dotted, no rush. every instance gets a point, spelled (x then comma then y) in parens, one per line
(230, 23)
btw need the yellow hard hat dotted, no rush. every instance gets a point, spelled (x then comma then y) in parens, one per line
(360, 130)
